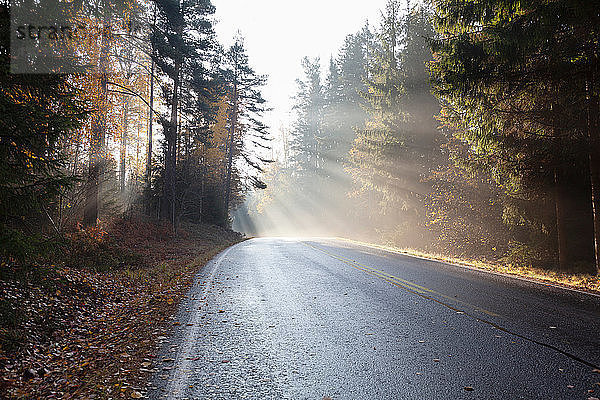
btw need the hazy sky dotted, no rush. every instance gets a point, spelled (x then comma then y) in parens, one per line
(279, 33)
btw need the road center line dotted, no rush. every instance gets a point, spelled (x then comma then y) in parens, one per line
(422, 292)
(408, 285)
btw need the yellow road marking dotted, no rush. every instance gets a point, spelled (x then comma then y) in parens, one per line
(422, 292)
(402, 283)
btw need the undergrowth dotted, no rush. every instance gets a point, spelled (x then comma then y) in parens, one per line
(83, 323)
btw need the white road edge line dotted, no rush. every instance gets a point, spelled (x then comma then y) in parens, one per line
(521, 278)
(182, 361)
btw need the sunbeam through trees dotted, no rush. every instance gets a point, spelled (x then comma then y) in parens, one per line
(377, 160)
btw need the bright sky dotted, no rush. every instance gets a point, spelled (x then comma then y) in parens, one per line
(278, 33)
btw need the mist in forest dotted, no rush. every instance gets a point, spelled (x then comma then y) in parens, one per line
(390, 145)
(354, 161)
(417, 132)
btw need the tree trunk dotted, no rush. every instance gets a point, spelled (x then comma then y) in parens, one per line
(561, 226)
(168, 203)
(96, 156)
(150, 126)
(137, 152)
(76, 156)
(230, 151)
(594, 162)
(202, 179)
(575, 234)
(123, 163)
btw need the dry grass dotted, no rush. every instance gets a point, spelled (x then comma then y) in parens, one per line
(579, 281)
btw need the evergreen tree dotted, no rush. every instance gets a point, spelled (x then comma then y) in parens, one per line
(38, 111)
(248, 137)
(344, 111)
(392, 153)
(308, 127)
(182, 38)
(517, 86)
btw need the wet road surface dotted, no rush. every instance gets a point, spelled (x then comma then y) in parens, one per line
(274, 318)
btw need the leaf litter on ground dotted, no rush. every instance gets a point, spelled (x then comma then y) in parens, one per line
(73, 333)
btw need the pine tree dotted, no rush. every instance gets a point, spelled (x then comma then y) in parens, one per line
(344, 110)
(380, 179)
(182, 35)
(248, 136)
(398, 145)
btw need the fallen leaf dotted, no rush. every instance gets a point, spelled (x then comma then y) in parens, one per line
(136, 395)
(170, 301)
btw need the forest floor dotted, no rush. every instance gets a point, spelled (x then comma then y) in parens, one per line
(568, 279)
(76, 330)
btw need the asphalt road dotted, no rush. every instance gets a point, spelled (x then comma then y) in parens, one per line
(314, 318)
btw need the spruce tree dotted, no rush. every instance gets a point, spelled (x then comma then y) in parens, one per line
(516, 79)
(308, 127)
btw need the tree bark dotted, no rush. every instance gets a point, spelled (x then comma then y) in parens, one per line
(230, 151)
(168, 203)
(96, 156)
(150, 126)
(594, 162)
(561, 226)
(574, 228)
(123, 154)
